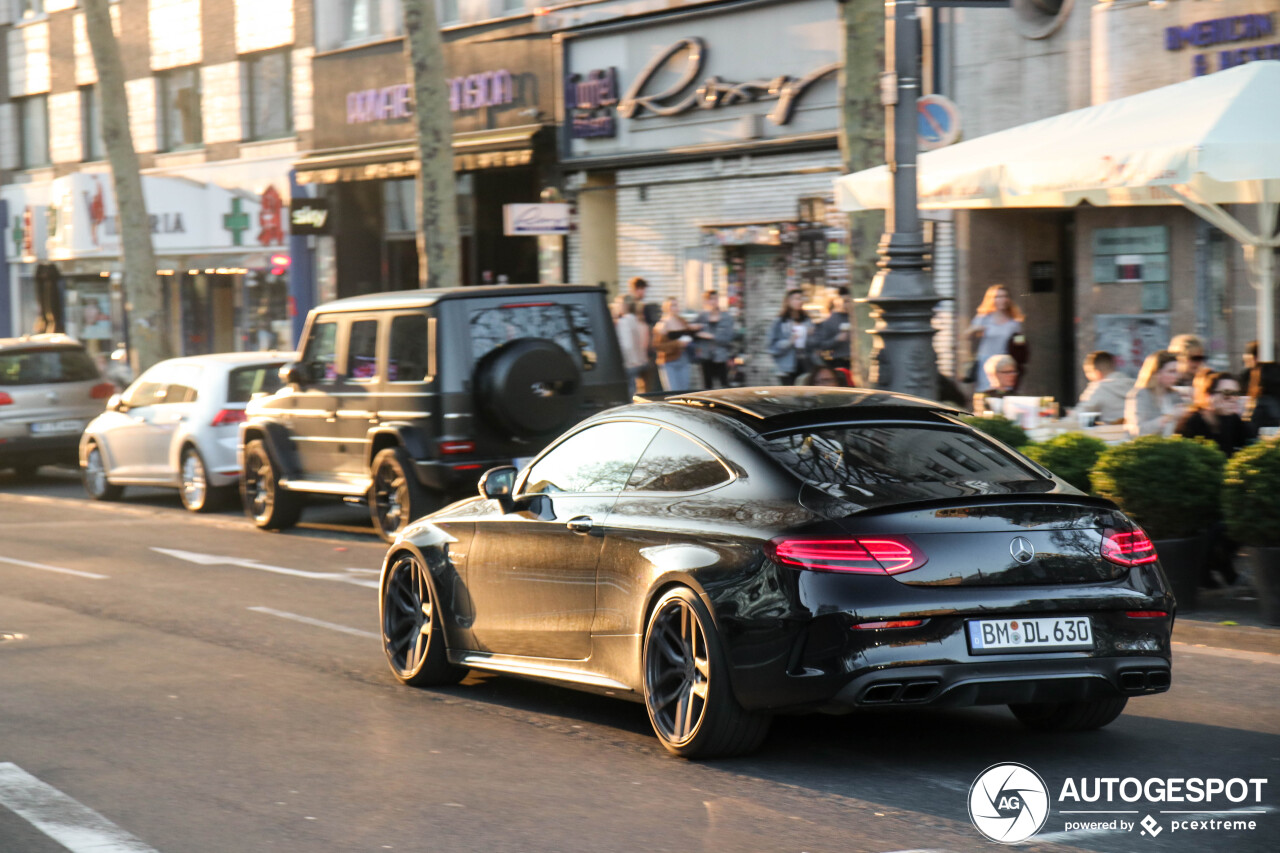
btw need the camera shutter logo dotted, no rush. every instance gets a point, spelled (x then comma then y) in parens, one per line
(1008, 803)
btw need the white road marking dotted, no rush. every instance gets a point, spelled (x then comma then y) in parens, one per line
(213, 560)
(58, 569)
(75, 826)
(307, 620)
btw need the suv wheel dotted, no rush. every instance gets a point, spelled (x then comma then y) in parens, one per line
(270, 506)
(395, 496)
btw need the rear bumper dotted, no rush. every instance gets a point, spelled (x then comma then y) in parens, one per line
(40, 450)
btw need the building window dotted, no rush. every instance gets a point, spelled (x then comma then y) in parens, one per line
(180, 125)
(449, 12)
(268, 96)
(27, 10)
(360, 19)
(33, 123)
(512, 5)
(91, 124)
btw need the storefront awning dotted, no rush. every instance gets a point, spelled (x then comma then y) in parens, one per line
(487, 149)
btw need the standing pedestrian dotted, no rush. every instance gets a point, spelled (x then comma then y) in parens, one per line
(650, 314)
(997, 330)
(633, 339)
(671, 339)
(832, 335)
(1153, 407)
(713, 345)
(1264, 395)
(791, 339)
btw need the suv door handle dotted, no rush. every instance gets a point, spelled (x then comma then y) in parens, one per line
(580, 524)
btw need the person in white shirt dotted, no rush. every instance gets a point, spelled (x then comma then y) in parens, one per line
(633, 339)
(1107, 389)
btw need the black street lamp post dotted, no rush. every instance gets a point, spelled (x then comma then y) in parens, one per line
(902, 295)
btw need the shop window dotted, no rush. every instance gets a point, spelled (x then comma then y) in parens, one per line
(180, 121)
(360, 19)
(33, 123)
(362, 350)
(267, 96)
(91, 142)
(399, 204)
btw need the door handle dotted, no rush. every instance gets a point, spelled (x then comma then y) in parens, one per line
(580, 524)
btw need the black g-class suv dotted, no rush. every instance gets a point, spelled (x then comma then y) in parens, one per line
(404, 399)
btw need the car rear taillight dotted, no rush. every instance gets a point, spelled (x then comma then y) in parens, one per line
(226, 417)
(453, 448)
(5, 399)
(878, 555)
(1146, 614)
(102, 390)
(896, 623)
(1130, 548)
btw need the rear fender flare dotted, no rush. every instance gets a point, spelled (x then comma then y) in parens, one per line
(396, 435)
(278, 441)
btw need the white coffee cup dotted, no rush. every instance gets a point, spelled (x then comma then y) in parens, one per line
(1087, 419)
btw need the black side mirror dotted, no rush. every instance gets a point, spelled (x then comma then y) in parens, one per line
(293, 373)
(498, 484)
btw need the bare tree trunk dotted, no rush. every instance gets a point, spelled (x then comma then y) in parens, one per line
(862, 147)
(438, 251)
(148, 342)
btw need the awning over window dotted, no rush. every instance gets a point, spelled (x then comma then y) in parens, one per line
(487, 149)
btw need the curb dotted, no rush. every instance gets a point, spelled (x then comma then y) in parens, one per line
(1240, 637)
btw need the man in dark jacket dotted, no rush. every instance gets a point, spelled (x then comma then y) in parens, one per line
(833, 334)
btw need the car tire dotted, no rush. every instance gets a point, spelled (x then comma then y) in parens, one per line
(686, 684)
(269, 505)
(1070, 716)
(94, 476)
(529, 387)
(395, 495)
(193, 486)
(412, 633)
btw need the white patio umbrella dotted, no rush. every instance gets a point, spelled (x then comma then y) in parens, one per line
(1202, 143)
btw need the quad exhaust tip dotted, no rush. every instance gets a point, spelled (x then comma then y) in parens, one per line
(902, 692)
(1143, 680)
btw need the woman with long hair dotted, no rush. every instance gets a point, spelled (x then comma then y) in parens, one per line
(1152, 407)
(671, 339)
(791, 339)
(994, 328)
(1264, 395)
(1215, 412)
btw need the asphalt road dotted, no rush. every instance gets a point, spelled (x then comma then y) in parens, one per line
(177, 684)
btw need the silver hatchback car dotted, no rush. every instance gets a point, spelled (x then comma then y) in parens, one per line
(177, 425)
(49, 389)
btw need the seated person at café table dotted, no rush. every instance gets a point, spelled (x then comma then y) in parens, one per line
(1189, 351)
(1215, 413)
(1153, 407)
(1002, 375)
(1107, 389)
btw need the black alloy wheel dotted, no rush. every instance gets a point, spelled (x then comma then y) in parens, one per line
(412, 636)
(395, 496)
(270, 506)
(94, 476)
(686, 686)
(1070, 716)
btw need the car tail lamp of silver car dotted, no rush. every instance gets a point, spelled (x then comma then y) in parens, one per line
(879, 555)
(227, 417)
(102, 391)
(1128, 548)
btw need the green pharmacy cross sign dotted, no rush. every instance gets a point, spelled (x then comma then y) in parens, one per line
(237, 222)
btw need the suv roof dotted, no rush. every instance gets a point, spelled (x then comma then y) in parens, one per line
(423, 298)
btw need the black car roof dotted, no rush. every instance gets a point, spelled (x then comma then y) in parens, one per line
(776, 407)
(422, 298)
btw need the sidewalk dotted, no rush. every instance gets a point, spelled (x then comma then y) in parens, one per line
(1228, 618)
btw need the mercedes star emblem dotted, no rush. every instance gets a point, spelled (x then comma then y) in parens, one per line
(1022, 549)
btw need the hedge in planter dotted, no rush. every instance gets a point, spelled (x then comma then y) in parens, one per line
(1001, 429)
(1071, 456)
(1251, 495)
(1170, 486)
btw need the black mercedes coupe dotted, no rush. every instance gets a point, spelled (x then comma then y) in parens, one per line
(728, 555)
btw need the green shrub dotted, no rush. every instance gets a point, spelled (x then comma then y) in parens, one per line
(1170, 486)
(1251, 494)
(1001, 429)
(1070, 456)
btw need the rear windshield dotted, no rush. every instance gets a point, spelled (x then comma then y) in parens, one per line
(47, 365)
(568, 325)
(880, 464)
(257, 379)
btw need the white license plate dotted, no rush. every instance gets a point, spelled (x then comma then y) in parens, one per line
(988, 636)
(54, 427)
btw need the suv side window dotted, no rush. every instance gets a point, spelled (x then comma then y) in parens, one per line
(321, 353)
(598, 459)
(362, 350)
(673, 463)
(408, 359)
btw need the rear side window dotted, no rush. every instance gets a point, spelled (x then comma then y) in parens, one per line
(244, 382)
(43, 366)
(408, 360)
(184, 384)
(673, 463)
(879, 464)
(362, 350)
(569, 325)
